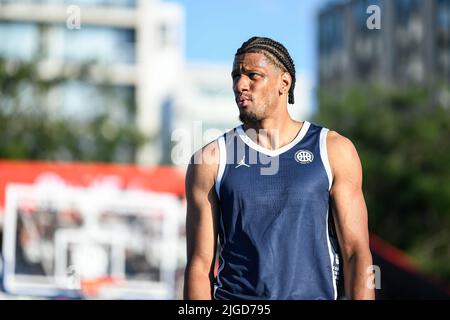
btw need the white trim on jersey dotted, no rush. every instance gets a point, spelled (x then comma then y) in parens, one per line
(332, 257)
(273, 153)
(222, 163)
(220, 172)
(219, 283)
(324, 155)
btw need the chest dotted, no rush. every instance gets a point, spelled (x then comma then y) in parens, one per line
(261, 178)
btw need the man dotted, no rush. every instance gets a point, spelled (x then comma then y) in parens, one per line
(285, 233)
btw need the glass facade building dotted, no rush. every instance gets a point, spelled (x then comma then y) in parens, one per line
(412, 45)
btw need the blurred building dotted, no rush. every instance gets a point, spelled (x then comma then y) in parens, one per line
(412, 45)
(134, 51)
(132, 47)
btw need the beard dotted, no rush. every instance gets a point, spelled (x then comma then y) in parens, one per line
(248, 118)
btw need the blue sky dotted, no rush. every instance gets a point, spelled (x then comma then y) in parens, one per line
(216, 28)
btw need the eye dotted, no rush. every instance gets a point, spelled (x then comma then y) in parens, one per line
(253, 75)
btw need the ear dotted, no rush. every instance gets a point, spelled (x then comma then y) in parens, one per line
(285, 83)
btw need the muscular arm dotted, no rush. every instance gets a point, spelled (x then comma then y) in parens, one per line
(201, 223)
(350, 216)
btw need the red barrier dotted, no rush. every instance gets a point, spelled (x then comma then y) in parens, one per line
(157, 179)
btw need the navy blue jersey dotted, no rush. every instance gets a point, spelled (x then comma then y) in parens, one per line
(275, 239)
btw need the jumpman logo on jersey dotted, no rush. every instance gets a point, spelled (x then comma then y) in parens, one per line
(242, 163)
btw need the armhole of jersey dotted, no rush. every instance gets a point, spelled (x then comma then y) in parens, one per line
(222, 162)
(324, 155)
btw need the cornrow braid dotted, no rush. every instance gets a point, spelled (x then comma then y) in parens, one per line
(276, 52)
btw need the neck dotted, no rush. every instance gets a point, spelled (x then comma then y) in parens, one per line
(275, 131)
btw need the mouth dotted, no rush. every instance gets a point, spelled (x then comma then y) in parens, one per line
(243, 101)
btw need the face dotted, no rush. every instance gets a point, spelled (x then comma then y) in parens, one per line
(256, 85)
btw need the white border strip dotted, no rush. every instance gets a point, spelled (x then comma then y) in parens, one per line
(222, 163)
(330, 251)
(273, 153)
(219, 283)
(324, 155)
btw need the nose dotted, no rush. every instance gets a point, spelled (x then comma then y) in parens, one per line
(241, 84)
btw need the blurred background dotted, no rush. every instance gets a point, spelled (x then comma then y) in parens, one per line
(97, 96)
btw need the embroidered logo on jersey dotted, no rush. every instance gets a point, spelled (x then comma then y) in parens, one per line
(242, 163)
(304, 156)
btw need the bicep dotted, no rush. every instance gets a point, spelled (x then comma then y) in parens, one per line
(347, 199)
(201, 218)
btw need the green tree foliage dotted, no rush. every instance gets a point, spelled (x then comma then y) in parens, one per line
(403, 139)
(30, 129)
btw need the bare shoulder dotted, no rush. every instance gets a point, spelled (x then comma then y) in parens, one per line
(337, 143)
(207, 155)
(342, 154)
(203, 167)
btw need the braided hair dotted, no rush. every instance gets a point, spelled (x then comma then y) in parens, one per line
(275, 52)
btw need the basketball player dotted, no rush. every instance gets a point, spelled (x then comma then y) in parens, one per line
(298, 231)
